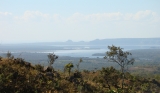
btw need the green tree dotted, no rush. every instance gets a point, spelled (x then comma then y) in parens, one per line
(110, 77)
(68, 67)
(51, 58)
(116, 54)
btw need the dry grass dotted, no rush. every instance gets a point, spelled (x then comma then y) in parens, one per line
(87, 83)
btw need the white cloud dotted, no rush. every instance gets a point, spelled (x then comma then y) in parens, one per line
(5, 17)
(99, 17)
(146, 15)
(31, 15)
(90, 18)
(142, 14)
(5, 13)
(44, 27)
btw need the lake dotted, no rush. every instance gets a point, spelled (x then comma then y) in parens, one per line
(67, 50)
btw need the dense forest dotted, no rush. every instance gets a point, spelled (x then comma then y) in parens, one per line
(20, 76)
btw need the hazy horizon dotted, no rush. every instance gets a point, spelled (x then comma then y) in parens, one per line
(121, 41)
(58, 21)
(69, 40)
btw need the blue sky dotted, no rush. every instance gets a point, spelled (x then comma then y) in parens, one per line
(60, 20)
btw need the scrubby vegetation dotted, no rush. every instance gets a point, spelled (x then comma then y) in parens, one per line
(19, 76)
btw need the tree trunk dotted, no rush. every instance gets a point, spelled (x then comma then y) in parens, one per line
(122, 77)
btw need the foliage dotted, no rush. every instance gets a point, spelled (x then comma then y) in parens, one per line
(116, 54)
(16, 77)
(52, 57)
(68, 67)
(19, 76)
(39, 67)
(110, 76)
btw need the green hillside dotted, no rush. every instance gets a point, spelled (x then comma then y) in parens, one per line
(19, 76)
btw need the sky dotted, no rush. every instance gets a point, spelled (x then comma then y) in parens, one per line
(29, 21)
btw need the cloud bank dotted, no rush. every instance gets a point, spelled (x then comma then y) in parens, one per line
(52, 27)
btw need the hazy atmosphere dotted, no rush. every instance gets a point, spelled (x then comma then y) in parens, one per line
(79, 46)
(61, 20)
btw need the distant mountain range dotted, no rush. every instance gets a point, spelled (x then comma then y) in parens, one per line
(128, 41)
(118, 41)
(98, 44)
